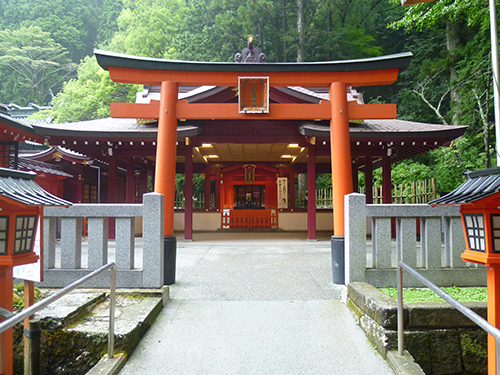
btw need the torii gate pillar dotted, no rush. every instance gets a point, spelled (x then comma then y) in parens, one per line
(341, 174)
(341, 154)
(166, 151)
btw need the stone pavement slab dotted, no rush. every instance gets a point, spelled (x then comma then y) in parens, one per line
(255, 337)
(258, 304)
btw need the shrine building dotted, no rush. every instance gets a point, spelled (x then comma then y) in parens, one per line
(250, 128)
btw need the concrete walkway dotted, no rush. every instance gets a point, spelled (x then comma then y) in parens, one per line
(260, 303)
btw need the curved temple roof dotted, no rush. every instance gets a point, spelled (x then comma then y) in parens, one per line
(107, 59)
(12, 129)
(406, 139)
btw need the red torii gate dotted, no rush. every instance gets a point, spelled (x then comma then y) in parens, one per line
(337, 75)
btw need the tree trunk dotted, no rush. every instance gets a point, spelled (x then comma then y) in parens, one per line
(329, 14)
(484, 114)
(486, 130)
(486, 135)
(300, 30)
(452, 43)
(284, 29)
(261, 37)
(277, 40)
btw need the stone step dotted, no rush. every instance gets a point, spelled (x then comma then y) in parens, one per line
(75, 327)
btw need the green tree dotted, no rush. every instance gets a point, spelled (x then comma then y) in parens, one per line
(450, 163)
(215, 30)
(146, 28)
(285, 30)
(149, 27)
(89, 96)
(71, 23)
(31, 64)
(476, 92)
(108, 26)
(406, 171)
(452, 78)
(459, 19)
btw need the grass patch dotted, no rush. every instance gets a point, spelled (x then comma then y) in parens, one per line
(18, 297)
(413, 295)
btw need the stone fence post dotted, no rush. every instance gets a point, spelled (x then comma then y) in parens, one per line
(153, 255)
(355, 237)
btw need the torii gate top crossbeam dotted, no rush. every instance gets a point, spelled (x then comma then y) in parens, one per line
(361, 72)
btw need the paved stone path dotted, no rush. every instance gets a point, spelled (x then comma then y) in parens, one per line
(260, 303)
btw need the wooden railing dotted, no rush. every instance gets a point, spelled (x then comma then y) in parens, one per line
(198, 200)
(324, 198)
(411, 193)
(249, 219)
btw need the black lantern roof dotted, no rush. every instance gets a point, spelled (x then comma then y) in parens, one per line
(21, 186)
(479, 185)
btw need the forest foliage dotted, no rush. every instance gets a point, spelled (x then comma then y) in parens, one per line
(46, 49)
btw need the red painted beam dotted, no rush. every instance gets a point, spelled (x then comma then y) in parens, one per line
(371, 111)
(277, 111)
(225, 78)
(259, 139)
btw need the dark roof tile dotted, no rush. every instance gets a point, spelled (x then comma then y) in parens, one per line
(21, 187)
(479, 185)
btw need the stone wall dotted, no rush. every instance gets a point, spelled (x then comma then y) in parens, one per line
(440, 338)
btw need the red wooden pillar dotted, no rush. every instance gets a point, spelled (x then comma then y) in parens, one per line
(281, 170)
(188, 191)
(386, 180)
(6, 338)
(493, 283)
(218, 187)
(130, 188)
(355, 186)
(207, 186)
(112, 181)
(153, 177)
(143, 182)
(79, 187)
(311, 192)
(369, 179)
(112, 193)
(341, 154)
(166, 152)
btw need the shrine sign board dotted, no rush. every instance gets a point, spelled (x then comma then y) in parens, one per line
(282, 193)
(253, 94)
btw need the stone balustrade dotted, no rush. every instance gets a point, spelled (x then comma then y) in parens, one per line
(74, 263)
(433, 247)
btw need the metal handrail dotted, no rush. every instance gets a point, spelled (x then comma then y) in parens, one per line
(480, 321)
(19, 317)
